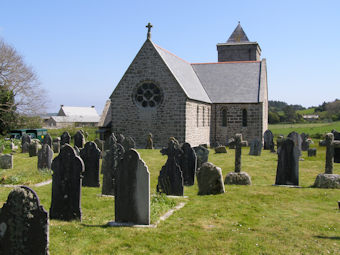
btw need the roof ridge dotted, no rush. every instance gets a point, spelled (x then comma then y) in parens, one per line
(171, 53)
(227, 62)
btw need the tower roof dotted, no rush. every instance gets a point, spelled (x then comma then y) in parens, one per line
(238, 36)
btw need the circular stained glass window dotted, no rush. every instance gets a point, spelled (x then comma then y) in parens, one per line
(147, 95)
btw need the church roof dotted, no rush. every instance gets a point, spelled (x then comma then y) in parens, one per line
(238, 36)
(185, 75)
(231, 82)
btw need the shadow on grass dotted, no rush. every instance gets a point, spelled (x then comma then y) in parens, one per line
(94, 226)
(329, 237)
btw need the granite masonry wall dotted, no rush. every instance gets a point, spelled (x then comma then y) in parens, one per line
(238, 52)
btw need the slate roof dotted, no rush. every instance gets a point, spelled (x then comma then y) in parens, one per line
(238, 36)
(230, 82)
(78, 119)
(77, 111)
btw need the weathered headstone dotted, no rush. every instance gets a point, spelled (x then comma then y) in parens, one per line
(33, 149)
(47, 140)
(329, 153)
(322, 143)
(220, 149)
(25, 147)
(336, 146)
(120, 138)
(45, 157)
(77, 151)
(23, 224)
(231, 143)
(210, 180)
(109, 142)
(188, 164)
(149, 142)
(336, 134)
(304, 142)
(238, 152)
(255, 147)
(90, 155)
(66, 185)
(202, 154)
(56, 147)
(99, 143)
(170, 179)
(25, 139)
(287, 172)
(6, 161)
(268, 139)
(297, 140)
(128, 143)
(110, 164)
(132, 200)
(279, 141)
(79, 139)
(311, 152)
(65, 138)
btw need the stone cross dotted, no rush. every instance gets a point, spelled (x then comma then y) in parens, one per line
(238, 152)
(23, 224)
(90, 154)
(329, 153)
(149, 26)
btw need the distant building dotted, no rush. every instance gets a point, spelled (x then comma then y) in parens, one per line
(310, 116)
(74, 116)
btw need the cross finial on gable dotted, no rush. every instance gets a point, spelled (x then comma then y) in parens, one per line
(149, 26)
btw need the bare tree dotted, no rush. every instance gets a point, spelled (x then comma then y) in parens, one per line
(21, 82)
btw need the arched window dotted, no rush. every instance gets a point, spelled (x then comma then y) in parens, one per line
(244, 117)
(224, 117)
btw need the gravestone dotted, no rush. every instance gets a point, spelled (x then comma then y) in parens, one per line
(238, 152)
(304, 142)
(279, 141)
(25, 139)
(311, 152)
(25, 147)
(297, 140)
(47, 140)
(149, 142)
(99, 143)
(170, 179)
(77, 151)
(231, 143)
(202, 155)
(45, 157)
(110, 164)
(268, 138)
(23, 224)
(33, 149)
(287, 172)
(336, 135)
(79, 139)
(132, 199)
(56, 147)
(90, 155)
(322, 143)
(188, 164)
(66, 185)
(6, 161)
(128, 143)
(255, 147)
(65, 138)
(210, 180)
(109, 142)
(120, 138)
(220, 149)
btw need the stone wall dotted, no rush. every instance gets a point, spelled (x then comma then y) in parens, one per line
(163, 121)
(238, 52)
(254, 128)
(198, 123)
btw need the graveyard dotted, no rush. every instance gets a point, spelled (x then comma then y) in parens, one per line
(247, 219)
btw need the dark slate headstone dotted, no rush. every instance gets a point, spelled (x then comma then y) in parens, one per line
(170, 179)
(65, 138)
(255, 147)
(297, 140)
(336, 134)
(99, 143)
(311, 152)
(329, 153)
(149, 142)
(231, 143)
(47, 140)
(132, 199)
(304, 142)
(33, 149)
(238, 152)
(25, 139)
(268, 138)
(187, 163)
(202, 155)
(287, 172)
(120, 138)
(76, 150)
(210, 180)
(45, 157)
(90, 155)
(25, 147)
(109, 142)
(279, 141)
(23, 224)
(128, 143)
(56, 147)
(79, 139)
(110, 164)
(66, 185)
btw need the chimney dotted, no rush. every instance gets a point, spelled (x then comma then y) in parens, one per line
(92, 106)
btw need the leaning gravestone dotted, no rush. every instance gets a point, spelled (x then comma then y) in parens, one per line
(25, 139)
(90, 155)
(268, 138)
(65, 138)
(132, 199)
(25, 147)
(297, 140)
(188, 164)
(238, 177)
(210, 180)
(202, 154)
(23, 224)
(311, 152)
(47, 140)
(287, 172)
(66, 185)
(45, 157)
(328, 179)
(33, 149)
(170, 179)
(6, 161)
(79, 139)
(110, 164)
(255, 147)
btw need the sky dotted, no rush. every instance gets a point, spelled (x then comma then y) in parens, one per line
(80, 49)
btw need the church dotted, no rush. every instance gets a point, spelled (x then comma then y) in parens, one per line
(198, 103)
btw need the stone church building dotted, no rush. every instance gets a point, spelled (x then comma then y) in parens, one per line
(198, 103)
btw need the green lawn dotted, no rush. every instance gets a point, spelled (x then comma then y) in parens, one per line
(257, 219)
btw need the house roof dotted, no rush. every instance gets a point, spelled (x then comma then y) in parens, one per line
(78, 119)
(77, 111)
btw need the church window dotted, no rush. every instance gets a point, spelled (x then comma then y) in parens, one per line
(244, 117)
(148, 95)
(197, 115)
(208, 116)
(224, 117)
(203, 117)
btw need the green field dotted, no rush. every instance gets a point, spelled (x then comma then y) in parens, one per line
(256, 219)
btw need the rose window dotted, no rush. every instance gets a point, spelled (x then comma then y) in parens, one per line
(148, 95)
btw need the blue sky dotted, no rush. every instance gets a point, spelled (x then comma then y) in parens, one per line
(81, 49)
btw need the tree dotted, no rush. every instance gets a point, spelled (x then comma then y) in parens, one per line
(20, 88)
(289, 114)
